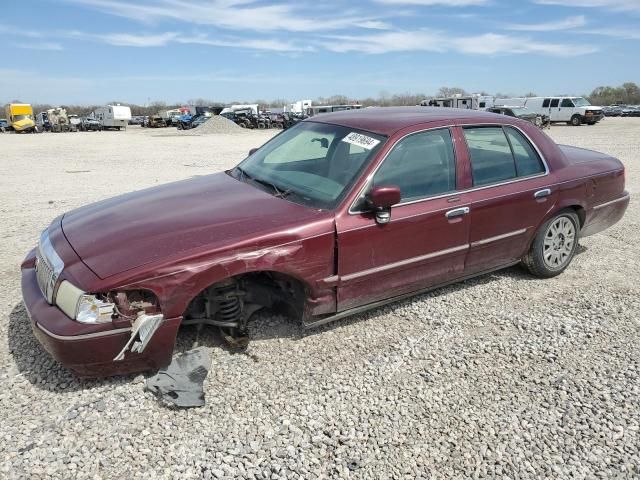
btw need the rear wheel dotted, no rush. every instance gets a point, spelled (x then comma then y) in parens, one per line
(554, 245)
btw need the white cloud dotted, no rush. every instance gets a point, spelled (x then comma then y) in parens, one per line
(618, 5)
(566, 24)
(423, 40)
(12, 30)
(619, 32)
(387, 42)
(163, 39)
(245, 15)
(495, 44)
(253, 44)
(50, 46)
(130, 40)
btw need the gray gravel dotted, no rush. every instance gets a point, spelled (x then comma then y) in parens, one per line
(216, 125)
(503, 376)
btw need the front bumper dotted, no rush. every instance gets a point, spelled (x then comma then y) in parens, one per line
(592, 118)
(89, 350)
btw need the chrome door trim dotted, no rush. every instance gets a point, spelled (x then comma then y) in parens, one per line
(457, 212)
(545, 192)
(402, 263)
(611, 202)
(367, 184)
(484, 241)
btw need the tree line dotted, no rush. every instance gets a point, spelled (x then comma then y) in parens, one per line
(626, 94)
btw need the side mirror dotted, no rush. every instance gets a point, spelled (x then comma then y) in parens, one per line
(381, 199)
(252, 151)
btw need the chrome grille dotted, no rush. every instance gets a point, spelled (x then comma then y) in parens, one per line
(45, 276)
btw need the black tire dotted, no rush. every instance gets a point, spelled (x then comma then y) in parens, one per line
(552, 243)
(576, 120)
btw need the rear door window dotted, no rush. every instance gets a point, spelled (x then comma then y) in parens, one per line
(545, 103)
(555, 102)
(491, 157)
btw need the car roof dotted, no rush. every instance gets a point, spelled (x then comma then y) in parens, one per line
(388, 120)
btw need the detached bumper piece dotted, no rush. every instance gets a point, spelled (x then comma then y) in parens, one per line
(181, 382)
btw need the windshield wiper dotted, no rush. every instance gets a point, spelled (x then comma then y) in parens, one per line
(278, 191)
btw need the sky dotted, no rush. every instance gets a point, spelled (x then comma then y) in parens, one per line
(141, 51)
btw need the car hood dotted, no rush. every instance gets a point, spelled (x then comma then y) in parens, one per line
(212, 212)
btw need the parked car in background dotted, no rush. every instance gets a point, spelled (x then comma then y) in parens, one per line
(339, 214)
(539, 120)
(199, 121)
(156, 121)
(4, 125)
(74, 122)
(89, 124)
(136, 120)
(612, 111)
(631, 111)
(42, 122)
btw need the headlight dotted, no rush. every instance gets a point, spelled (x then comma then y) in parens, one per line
(93, 310)
(83, 307)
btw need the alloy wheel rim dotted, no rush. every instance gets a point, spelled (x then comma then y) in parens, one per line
(558, 243)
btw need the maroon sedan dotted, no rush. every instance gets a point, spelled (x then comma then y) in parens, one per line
(339, 214)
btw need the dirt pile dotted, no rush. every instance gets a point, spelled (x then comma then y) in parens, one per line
(215, 125)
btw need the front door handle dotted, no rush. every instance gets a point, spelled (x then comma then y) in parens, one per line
(457, 212)
(542, 193)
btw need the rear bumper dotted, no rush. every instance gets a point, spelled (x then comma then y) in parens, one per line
(91, 354)
(604, 215)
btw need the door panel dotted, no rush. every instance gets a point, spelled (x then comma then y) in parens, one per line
(421, 245)
(418, 248)
(503, 222)
(554, 110)
(512, 195)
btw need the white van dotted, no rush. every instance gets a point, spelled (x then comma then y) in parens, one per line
(113, 116)
(572, 110)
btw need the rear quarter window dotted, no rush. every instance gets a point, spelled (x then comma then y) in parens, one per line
(528, 162)
(491, 157)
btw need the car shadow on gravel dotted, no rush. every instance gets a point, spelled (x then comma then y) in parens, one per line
(38, 367)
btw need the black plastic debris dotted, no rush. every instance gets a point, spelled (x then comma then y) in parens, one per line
(181, 382)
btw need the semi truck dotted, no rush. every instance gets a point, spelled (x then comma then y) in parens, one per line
(20, 118)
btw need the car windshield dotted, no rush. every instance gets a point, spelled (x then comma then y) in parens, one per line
(21, 117)
(312, 163)
(581, 102)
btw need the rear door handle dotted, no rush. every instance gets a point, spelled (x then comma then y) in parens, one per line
(542, 193)
(457, 212)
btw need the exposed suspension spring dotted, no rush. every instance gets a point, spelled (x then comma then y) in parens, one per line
(229, 308)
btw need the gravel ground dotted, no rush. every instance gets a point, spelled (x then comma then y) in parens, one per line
(503, 376)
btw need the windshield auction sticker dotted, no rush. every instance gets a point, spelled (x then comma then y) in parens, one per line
(361, 140)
